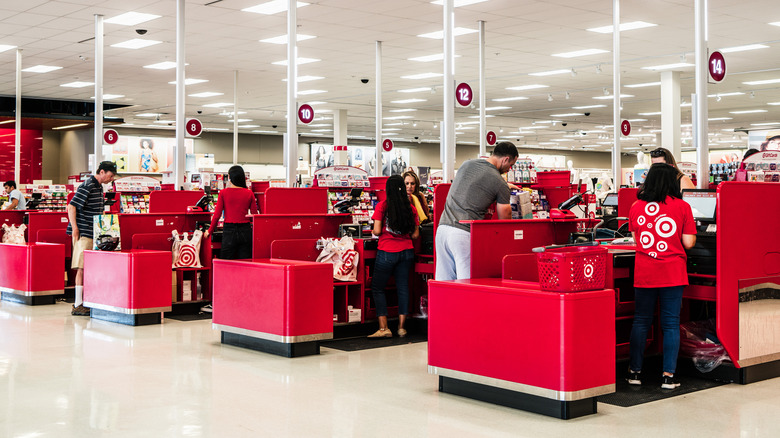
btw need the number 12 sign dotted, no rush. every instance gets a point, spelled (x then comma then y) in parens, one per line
(717, 66)
(463, 94)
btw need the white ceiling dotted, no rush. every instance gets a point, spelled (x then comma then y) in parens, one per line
(521, 37)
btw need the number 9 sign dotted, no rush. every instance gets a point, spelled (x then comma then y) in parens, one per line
(193, 127)
(110, 136)
(625, 127)
(306, 113)
(463, 94)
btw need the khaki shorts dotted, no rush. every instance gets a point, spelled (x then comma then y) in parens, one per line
(84, 243)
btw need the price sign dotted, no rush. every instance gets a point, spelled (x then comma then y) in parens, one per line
(110, 136)
(306, 113)
(491, 138)
(463, 94)
(193, 127)
(625, 127)
(717, 66)
(387, 145)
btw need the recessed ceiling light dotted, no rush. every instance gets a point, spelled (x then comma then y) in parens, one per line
(637, 120)
(135, 43)
(260, 131)
(430, 58)
(206, 94)
(415, 90)
(391, 129)
(527, 87)
(623, 27)
(282, 39)
(458, 3)
(551, 72)
(307, 92)
(77, 84)
(773, 103)
(217, 105)
(165, 65)
(622, 96)
(577, 53)
(408, 100)
(397, 118)
(654, 113)
(41, 69)
(148, 115)
(566, 115)
(497, 108)
(190, 81)
(248, 126)
(272, 7)
(763, 82)
(646, 84)
(402, 110)
(765, 124)
(509, 99)
(748, 111)
(677, 65)
(733, 93)
(131, 18)
(301, 61)
(70, 126)
(438, 35)
(5, 47)
(717, 119)
(422, 76)
(307, 78)
(743, 48)
(110, 96)
(588, 106)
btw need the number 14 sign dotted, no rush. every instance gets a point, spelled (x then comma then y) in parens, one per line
(717, 66)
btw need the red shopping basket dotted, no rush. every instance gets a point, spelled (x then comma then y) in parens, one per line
(572, 269)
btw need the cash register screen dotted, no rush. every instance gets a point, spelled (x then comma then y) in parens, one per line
(702, 203)
(611, 200)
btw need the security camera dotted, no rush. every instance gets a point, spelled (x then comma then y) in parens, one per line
(200, 111)
(587, 114)
(364, 80)
(141, 31)
(640, 145)
(274, 126)
(416, 138)
(564, 124)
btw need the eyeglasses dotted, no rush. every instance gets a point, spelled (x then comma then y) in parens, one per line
(657, 153)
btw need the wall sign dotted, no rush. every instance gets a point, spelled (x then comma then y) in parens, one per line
(491, 138)
(306, 113)
(717, 66)
(625, 127)
(110, 136)
(463, 94)
(387, 145)
(193, 127)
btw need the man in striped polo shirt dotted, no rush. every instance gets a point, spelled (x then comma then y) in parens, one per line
(86, 203)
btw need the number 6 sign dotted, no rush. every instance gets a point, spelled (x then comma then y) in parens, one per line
(193, 127)
(463, 94)
(717, 66)
(110, 136)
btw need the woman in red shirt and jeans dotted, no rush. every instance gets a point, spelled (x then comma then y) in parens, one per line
(236, 201)
(396, 224)
(663, 228)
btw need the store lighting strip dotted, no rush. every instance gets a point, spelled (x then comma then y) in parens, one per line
(70, 126)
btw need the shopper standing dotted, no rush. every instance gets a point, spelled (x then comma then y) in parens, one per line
(412, 183)
(16, 199)
(396, 224)
(477, 185)
(663, 228)
(236, 201)
(663, 155)
(86, 203)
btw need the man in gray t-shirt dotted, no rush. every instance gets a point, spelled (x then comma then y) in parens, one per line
(477, 185)
(16, 199)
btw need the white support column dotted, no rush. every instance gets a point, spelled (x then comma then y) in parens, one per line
(448, 139)
(378, 129)
(341, 158)
(700, 134)
(18, 118)
(291, 145)
(617, 171)
(482, 92)
(670, 112)
(98, 89)
(235, 117)
(180, 152)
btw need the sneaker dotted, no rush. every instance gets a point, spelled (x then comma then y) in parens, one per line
(381, 333)
(207, 308)
(669, 382)
(401, 333)
(634, 377)
(80, 310)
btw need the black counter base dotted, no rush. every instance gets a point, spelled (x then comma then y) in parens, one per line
(297, 349)
(30, 301)
(124, 318)
(564, 410)
(729, 373)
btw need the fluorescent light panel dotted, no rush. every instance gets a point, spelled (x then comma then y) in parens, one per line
(272, 7)
(509, 99)
(282, 39)
(408, 100)
(748, 111)
(70, 126)
(110, 96)
(148, 115)
(551, 72)
(654, 113)
(415, 90)
(307, 92)
(77, 84)
(763, 82)
(190, 81)
(41, 69)
(206, 94)
(6, 47)
(131, 18)
(743, 48)
(135, 43)
(402, 110)
(588, 106)
(301, 61)
(430, 58)
(566, 115)
(438, 35)
(306, 78)
(165, 65)
(458, 3)
(646, 84)
(423, 76)
(668, 66)
(632, 25)
(578, 53)
(527, 87)
(217, 105)
(622, 96)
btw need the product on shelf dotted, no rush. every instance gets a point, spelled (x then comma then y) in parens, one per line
(523, 171)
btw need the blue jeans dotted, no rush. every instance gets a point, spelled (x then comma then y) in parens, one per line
(392, 263)
(644, 305)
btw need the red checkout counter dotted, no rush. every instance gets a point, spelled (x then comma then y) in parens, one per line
(490, 337)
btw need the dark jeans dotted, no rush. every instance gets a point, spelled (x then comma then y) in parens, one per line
(236, 241)
(397, 264)
(644, 306)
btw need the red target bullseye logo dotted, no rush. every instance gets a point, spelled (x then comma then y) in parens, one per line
(640, 220)
(188, 256)
(646, 239)
(588, 270)
(665, 227)
(653, 254)
(652, 209)
(662, 246)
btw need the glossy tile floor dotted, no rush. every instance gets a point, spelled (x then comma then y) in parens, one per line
(63, 376)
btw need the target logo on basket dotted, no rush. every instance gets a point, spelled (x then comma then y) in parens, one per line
(588, 271)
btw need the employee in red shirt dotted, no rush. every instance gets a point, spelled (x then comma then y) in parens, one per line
(663, 228)
(396, 224)
(236, 201)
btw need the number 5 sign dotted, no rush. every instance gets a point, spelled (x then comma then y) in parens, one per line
(193, 127)
(717, 66)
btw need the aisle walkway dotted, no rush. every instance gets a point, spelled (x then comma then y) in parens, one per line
(63, 376)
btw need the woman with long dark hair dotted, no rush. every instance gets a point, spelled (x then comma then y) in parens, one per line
(236, 201)
(663, 228)
(396, 224)
(663, 155)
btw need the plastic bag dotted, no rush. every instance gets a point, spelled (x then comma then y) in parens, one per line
(698, 340)
(341, 252)
(186, 252)
(14, 234)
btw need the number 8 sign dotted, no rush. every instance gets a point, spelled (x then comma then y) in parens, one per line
(193, 127)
